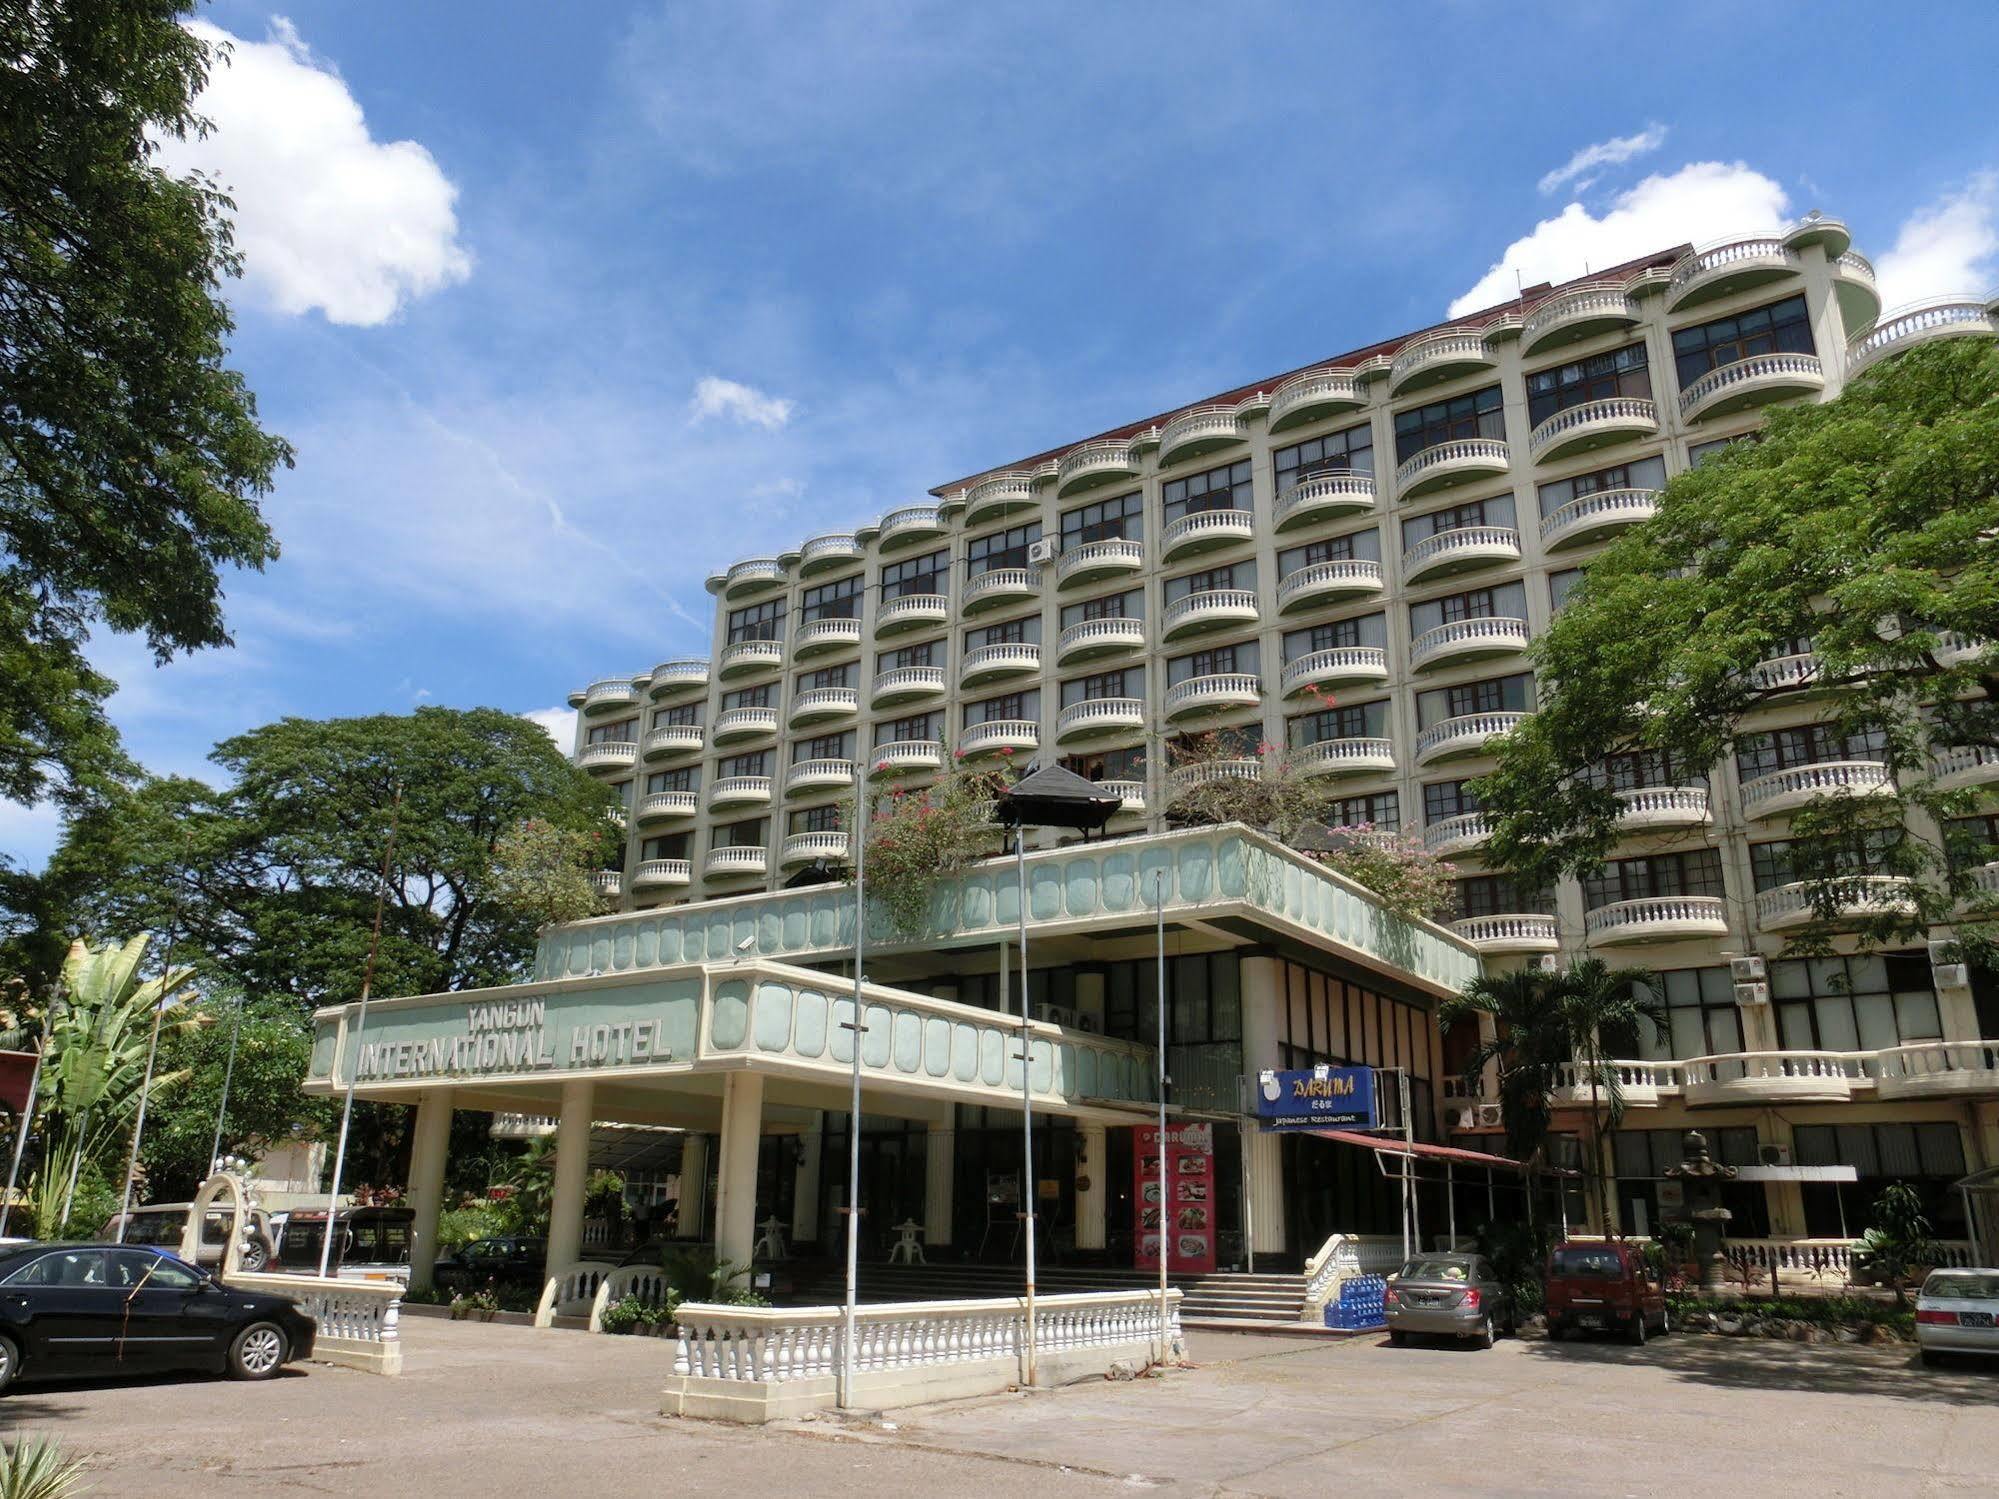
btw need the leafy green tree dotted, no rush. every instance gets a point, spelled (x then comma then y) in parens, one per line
(1900, 1240)
(543, 871)
(1862, 526)
(132, 462)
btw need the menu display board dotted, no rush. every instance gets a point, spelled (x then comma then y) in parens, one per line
(1186, 1220)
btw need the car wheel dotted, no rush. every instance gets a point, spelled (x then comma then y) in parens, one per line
(1397, 1338)
(1665, 1320)
(253, 1259)
(258, 1352)
(1486, 1336)
(10, 1362)
(1638, 1328)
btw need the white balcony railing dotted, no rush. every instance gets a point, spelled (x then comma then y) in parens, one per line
(1583, 519)
(1965, 765)
(1467, 734)
(1456, 835)
(653, 874)
(1597, 307)
(1786, 790)
(612, 693)
(1948, 317)
(815, 775)
(1438, 356)
(751, 575)
(999, 586)
(1210, 609)
(735, 861)
(1101, 637)
(824, 702)
(1339, 663)
(910, 523)
(1760, 257)
(803, 848)
(1785, 673)
(816, 637)
(736, 724)
(1510, 932)
(906, 684)
(749, 656)
(1201, 430)
(1094, 463)
(903, 755)
(1099, 559)
(1323, 496)
(1657, 919)
(1201, 530)
(1339, 757)
(828, 551)
(999, 735)
(607, 882)
(661, 806)
(1100, 715)
(1185, 777)
(737, 791)
(1758, 376)
(1467, 638)
(608, 756)
(1855, 897)
(1000, 495)
(1447, 462)
(1133, 793)
(1214, 693)
(684, 675)
(1663, 807)
(1010, 658)
(1348, 577)
(911, 611)
(1459, 548)
(675, 739)
(1592, 422)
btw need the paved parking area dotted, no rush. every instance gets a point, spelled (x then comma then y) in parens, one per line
(485, 1410)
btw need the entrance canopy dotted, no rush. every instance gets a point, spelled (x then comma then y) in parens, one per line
(1417, 1149)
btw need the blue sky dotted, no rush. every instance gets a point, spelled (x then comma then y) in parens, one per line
(565, 306)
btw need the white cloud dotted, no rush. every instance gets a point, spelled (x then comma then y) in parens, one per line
(714, 396)
(558, 723)
(327, 217)
(1701, 201)
(1949, 246)
(1610, 153)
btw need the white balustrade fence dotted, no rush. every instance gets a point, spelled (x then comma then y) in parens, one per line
(358, 1321)
(647, 1283)
(1343, 1257)
(571, 1292)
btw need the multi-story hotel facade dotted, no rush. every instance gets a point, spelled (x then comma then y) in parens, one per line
(1391, 528)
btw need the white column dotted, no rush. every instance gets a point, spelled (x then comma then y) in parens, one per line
(736, 1176)
(940, 1144)
(1262, 990)
(429, 1142)
(805, 1187)
(1090, 1199)
(572, 1169)
(693, 1209)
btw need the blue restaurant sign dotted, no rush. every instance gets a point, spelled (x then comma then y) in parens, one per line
(1316, 1098)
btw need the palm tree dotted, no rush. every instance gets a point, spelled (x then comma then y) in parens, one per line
(1598, 1003)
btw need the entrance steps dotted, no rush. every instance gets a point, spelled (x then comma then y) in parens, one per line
(1222, 1295)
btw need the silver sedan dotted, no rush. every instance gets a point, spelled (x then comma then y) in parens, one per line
(1957, 1311)
(1448, 1295)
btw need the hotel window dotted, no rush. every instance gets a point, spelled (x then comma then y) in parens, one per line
(1378, 809)
(1220, 661)
(625, 731)
(1642, 473)
(1514, 694)
(917, 728)
(1111, 606)
(754, 763)
(1105, 520)
(1791, 861)
(1239, 741)
(1781, 328)
(1103, 684)
(826, 819)
(747, 697)
(1929, 1157)
(1807, 744)
(1447, 799)
(1481, 413)
(1972, 841)
(1336, 634)
(1500, 895)
(1699, 453)
(1502, 601)
(841, 600)
(1695, 872)
(1561, 585)
(1866, 1002)
(1025, 631)
(1006, 548)
(673, 780)
(1621, 372)
(1349, 721)
(757, 622)
(916, 576)
(1351, 451)
(826, 676)
(1642, 1157)
(1637, 770)
(1224, 488)
(908, 655)
(1211, 580)
(1109, 765)
(667, 846)
(751, 834)
(1497, 511)
(824, 747)
(680, 717)
(1008, 707)
(1702, 1018)
(1362, 545)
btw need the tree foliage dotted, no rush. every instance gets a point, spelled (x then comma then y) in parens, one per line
(1219, 779)
(1863, 526)
(919, 837)
(1410, 880)
(543, 871)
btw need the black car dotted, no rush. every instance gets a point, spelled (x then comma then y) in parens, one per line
(108, 1309)
(495, 1262)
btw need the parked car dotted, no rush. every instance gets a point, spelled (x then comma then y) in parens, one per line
(504, 1262)
(1448, 1295)
(1604, 1287)
(1957, 1311)
(160, 1225)
(106, 1309)
(368, 1243)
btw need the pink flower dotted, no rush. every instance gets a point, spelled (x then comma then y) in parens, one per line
(957, 754)
(1006, 749)
(881, 765)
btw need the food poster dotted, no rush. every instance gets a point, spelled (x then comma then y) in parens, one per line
(1186, 1220)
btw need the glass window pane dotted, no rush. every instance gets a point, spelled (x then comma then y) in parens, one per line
(1874, 1016)
(1837, 1030)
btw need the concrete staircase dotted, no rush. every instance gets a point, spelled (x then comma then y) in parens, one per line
(1219, 1297)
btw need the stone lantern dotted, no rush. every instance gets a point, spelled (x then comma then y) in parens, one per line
(1703, 1177)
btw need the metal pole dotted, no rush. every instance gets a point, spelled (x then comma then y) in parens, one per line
(228, 1076)
(75, 1165)
(1451, 1201)
(152, 1054)
(854, 1103)
(21, 1137)
(1165, 1207)
(1408, 1161)
(360, 1029)
(1027, 1086)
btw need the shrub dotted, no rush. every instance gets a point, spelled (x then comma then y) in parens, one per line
(34, 1468)
(918, 838)
(1410, 880)
(461, 1225)
(466, 1303)
(632, 1315)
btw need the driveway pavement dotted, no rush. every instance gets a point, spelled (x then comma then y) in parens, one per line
(484, 1410)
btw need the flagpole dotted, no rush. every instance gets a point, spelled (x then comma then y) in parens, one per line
(846, 1392)
(228, 1075)
(21, 1136)
(152, 1055)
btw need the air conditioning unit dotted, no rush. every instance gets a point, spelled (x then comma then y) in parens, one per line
(1490, 1116)
(1055, 1014)
(1752, 994)
(1747, 970)
(1084, 1020)
(1042, 552)
(1951, 975)
(1464, 1118)
(1773, 1155)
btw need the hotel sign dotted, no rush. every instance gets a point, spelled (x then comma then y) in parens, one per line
(1316, 1098)
(511, 1037)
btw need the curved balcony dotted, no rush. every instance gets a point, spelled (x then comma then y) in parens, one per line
(1213, 609)
(1186, 777)
(1320, 583)
(911, 611)
(824, 637)
(1002, 494)
(749, 658)
(670, 741)
(607, 882)
(1468, 734)
(1459, 550)
(1002, 585)
(1437, 357)
(1451, 836)
(1334, 666)
(1594, 517)
(1964, 765)
(1213, 694)
(824, 552)
(999, 736)
(912, 523)
(1755, 381)
(904, 755)
(609, 757)
(1347, 757)
(1443, 464)
(1206, 531)
(906, 684)
(674, 678)
(1954, 649)
(822, 704)
(1094, 561)
(802, 848)
(735, 862)
(1314, 394)
(1653, 807)
(608, 696)
(1205, 429)
(1662, 918)
(1465, 640)
(1579, 313)
(667, 806)
(1855, 289)
(998, 663)
(740, 725)
(1592, 425)
(1855, 898)
(1772, 1077)
(1728, 267)
(662, 874)
(753, 575)
(818, 775)
(1323, 497)
(1785, 791)
(1094, 463)
(1511, 932)
(1090, 639)
(1785, 673)
(1920, 323)
(1100, 715)
(1133, 793)
(1938, 1069)
(740, 791)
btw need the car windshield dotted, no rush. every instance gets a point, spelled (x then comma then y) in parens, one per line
(1587, 1264)
(1962, 1287)
(1436, 1270)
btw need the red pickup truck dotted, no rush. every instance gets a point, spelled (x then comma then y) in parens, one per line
(1603, 1287)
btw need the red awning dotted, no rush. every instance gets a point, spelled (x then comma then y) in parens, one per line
(1387, 1145)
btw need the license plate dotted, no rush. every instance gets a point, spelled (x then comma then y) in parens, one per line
(1975, 1319)
(1589, 1321)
